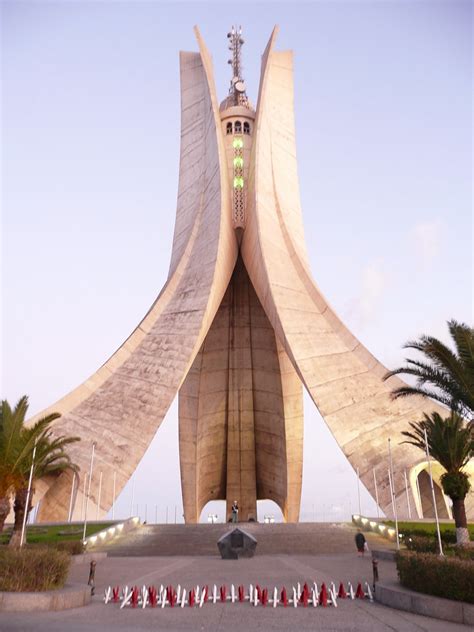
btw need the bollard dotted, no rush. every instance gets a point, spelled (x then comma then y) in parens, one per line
(134, 598)
(323, 596)
(116, 594)
(152, 596)
(91, 581)
(223, 593)
(369, 592)
(295, 598)
(375, 570)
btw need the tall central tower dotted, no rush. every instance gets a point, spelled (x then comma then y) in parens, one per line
(240, 407)
(239, 327)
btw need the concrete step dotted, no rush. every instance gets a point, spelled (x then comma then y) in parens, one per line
(201, 539)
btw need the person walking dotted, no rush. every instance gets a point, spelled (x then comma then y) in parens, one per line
(235, 511)
(360, 543)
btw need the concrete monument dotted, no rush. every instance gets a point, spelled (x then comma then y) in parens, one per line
(238, 329)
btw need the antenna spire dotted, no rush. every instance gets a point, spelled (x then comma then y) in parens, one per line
(237, 86)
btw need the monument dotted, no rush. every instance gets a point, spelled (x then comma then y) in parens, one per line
(237, 331)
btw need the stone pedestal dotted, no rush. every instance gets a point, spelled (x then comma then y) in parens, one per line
(236, 543)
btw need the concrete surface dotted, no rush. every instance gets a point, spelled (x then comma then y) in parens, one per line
(269, 571)
(201, 539)
(393, 595)
(71, 596)
(86, 558)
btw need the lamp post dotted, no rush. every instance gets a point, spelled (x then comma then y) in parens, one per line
(30, 480)
(88, 490)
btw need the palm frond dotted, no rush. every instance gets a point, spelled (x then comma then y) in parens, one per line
(443, 375)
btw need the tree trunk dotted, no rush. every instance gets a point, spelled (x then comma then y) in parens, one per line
(4, 510)
(19, 507)
(459, 515)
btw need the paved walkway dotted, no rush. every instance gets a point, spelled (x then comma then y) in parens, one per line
(313, 538)
(270, 571)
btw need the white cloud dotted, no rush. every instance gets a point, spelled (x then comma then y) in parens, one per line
(426, 237)
(374, 281)
(373, 285)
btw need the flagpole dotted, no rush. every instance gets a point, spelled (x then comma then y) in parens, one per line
(113, 495)
(133, 493)
(358, 490)
(376, 494)
(433, 494)
(69, 516)
(84, 491)
(30, 480)
(392, 485)
(419, 496)
(88, 491)
(98, 500)
(408, 495)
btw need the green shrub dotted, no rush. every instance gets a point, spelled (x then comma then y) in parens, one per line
(448, 531)
(73, 547)
(421, 544)
(33, 569)
(449, 577)
(463, 552)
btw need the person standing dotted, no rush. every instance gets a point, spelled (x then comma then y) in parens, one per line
(360, 543)
(235, 511)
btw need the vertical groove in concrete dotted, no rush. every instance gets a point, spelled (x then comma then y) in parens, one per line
(243, 418)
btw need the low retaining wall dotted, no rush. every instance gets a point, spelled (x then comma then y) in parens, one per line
(384, 554)
(86, 558)
(395, 596)
(71, 596)
(109, 533)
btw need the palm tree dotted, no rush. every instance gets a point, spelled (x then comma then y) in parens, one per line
(16, 448)
(50, 459)
(13, 450)
(451, 443)
(444, 375)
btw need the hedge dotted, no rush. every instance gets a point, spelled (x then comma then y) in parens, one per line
(430, 545)
(447, 577)
(73, 547)
(33, 569)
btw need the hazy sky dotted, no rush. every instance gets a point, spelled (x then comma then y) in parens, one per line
(90, 139)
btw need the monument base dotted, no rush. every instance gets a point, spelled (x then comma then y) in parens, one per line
(236, 543)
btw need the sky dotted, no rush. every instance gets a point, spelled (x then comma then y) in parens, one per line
(90, 123)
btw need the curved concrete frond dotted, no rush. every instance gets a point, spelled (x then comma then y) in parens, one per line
(122, 405)
(342, 377)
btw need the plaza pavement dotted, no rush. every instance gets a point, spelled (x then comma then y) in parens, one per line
(267, 570)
